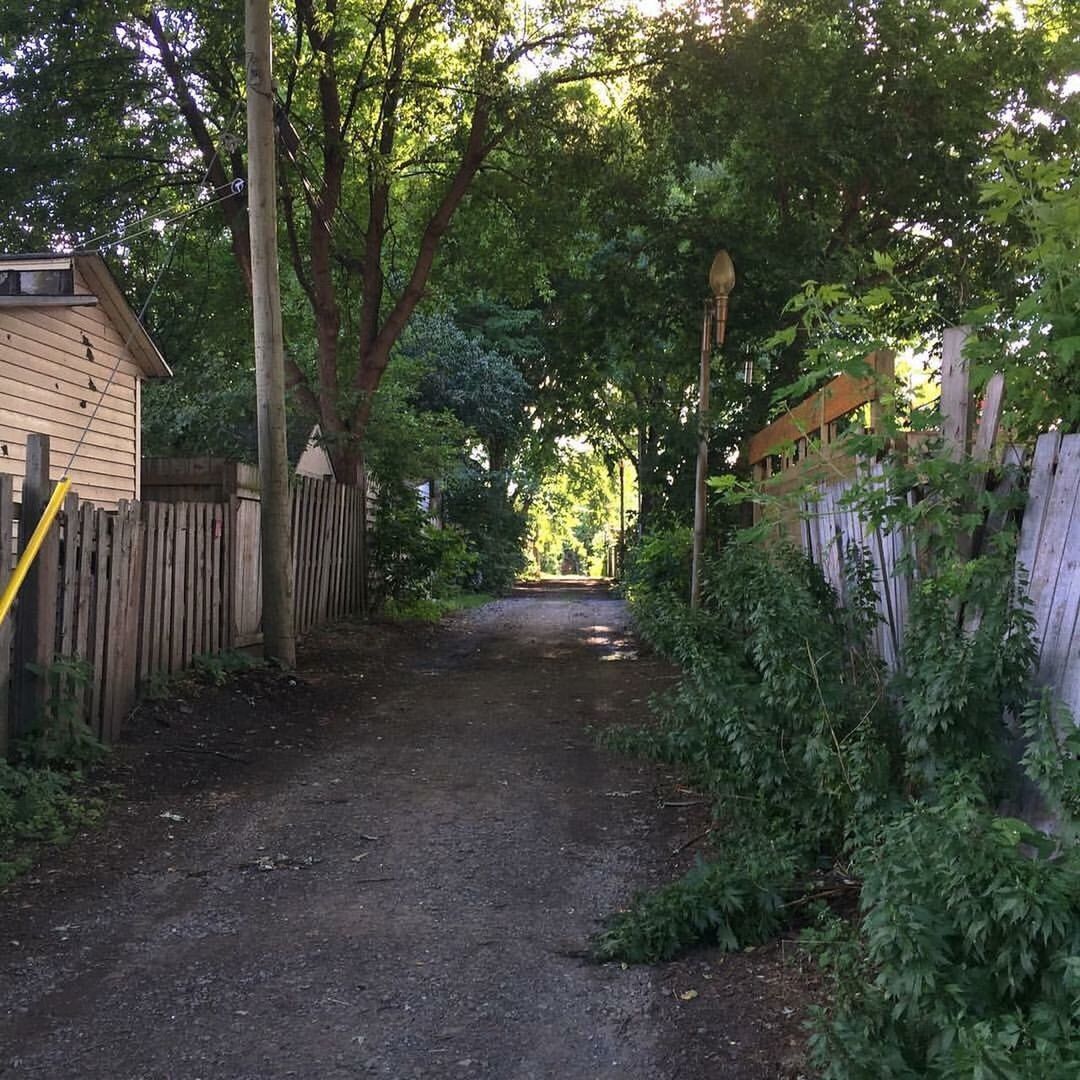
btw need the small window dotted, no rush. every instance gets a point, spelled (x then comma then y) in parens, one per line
(37, 282)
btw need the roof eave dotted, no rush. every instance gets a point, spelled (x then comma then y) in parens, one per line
(98, 276)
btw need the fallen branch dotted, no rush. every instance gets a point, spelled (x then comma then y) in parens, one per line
(204, 750)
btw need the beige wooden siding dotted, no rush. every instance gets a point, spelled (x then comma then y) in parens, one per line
(54, 363)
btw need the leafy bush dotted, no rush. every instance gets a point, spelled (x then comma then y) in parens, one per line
(412, 558)
(59, 736)
(963, 962)
(476, 502)
(43, 799)
(732, 904)
(969, 959)
(780, 700)
(658, 565)
(39, 805)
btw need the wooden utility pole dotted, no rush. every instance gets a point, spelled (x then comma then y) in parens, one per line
(713, 332)
(701, 471)
(279, 640)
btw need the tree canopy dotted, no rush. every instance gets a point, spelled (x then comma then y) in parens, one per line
(539, 190)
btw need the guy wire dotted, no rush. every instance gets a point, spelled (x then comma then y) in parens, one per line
(142, 311)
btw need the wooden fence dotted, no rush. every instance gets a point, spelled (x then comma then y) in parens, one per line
(139, 592)
(819, 520)
(1049, 552)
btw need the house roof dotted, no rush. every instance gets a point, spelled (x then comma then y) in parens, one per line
(97, 275)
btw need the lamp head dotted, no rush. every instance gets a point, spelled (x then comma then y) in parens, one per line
(722, 274)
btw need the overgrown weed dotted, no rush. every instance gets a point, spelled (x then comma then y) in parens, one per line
(963, 958)
(44, 795)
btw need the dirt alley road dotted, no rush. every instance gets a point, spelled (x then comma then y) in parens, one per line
(387, 867)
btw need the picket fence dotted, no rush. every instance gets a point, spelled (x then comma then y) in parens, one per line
(141, 591)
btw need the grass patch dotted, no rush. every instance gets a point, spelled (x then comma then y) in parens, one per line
(432, 611)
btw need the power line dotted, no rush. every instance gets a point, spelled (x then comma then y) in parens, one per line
(149, 296)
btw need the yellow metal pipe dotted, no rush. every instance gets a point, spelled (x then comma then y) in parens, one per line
(22, 568)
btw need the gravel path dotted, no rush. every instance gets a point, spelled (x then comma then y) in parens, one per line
(400, 883)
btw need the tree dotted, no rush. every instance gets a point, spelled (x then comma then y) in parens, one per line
(387, 112)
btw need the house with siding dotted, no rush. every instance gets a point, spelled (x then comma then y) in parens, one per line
(70, 344)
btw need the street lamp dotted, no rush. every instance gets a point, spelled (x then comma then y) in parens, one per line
(713, 332)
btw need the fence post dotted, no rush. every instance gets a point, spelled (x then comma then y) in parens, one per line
(7, 627)
(35, 621)
(955, 393)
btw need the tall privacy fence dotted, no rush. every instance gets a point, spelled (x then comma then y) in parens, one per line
(804, 452)
(119, 598)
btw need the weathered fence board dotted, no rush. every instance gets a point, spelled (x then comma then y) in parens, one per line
(7, 627)
(139, 592)
(1049, 553)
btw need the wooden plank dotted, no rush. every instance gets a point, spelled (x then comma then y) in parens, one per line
(7, 627)
(337, 577)
(325, 548)
(27, 415)
(1038, 498)
(1059, 512)
(836, 399)
(151, 589)
(164, 629)
(104, 544)
(190, 572)
(358, 550)
(993, 402)
(303, 595)
(204, 584)
(114, 629)
(1060, 625)
(1012, 467)
(28, 384)
(177, 659)
(66, 601)
(955, 393)
(128, 668)
(983, 444)
(35, 626)
(37, 331)
(346, 494)
(303, 584)
(295, 538)
(882, 404)
(304, 555)
(248, 570)
(197, 579)
(84, 604)
(94, 324)
(69, 576)
(230, 577)
(217, 563)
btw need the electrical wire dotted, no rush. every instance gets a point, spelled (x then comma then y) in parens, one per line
(95, 243)
(149, 296)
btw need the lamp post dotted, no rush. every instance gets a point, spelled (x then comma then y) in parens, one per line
(713, 331)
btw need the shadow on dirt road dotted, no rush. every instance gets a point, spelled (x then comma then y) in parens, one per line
(387, 866)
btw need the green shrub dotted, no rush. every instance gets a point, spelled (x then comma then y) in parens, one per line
(658, 565)
(968, 957)
(43, 797)
(733, 903)
(965, 957)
